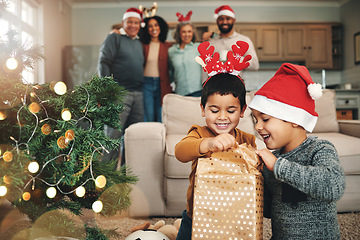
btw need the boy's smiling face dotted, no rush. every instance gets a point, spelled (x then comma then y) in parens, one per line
(278, 133)
(222, 113)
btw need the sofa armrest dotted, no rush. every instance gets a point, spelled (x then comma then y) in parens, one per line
(144, 154)
(350, 127)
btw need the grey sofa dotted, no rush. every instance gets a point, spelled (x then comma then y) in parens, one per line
(163, 180)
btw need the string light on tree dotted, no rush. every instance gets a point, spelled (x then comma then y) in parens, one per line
(3, 115)
(33, 167)
(80, 191)
(26, 196)
(97, 206)
(51, 192)
(11, 63)
(60, 88)
(100, 181)
(66, 114)
(3, 191)
(8, 156)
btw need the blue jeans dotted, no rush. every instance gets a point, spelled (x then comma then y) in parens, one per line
(152, 99)
(185, 227)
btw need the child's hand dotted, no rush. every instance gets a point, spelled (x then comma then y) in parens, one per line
(219, 143)
(268, 158)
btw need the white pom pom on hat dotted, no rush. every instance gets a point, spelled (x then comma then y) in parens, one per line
(289, 95)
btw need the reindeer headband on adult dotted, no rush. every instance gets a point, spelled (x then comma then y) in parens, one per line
(182, 18)
(235, 60)
(149, 12)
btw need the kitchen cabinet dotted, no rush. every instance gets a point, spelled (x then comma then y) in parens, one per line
(316, 45)
(308, 43)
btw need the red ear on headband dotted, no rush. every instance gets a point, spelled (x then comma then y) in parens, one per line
(234, 64)
(181, 18)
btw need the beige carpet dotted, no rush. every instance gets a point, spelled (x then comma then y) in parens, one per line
(349, 224)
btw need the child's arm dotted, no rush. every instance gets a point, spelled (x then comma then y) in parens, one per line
(192, 147)
(323, 178)
(221, 142)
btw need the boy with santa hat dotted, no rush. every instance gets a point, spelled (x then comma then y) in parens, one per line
(303, 178)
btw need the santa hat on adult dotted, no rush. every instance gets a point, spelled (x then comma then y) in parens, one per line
(224, 10)
(133, 12)
(289, 95)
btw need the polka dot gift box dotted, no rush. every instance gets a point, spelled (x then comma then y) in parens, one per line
(228, 198)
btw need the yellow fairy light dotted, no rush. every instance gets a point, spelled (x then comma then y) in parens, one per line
(3, 115)
(97, 206)
(34, 107)
(8, 156)
(7, 179)
(51, 192)
(26, 196)
(66, 114)
(33, 167)
(11, 63)
(100, 181)
(3, 191)
(60, 88)
(80, 191)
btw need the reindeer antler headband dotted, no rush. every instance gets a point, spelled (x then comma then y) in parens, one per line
(182, 18)
(235, 60)
(149, 12)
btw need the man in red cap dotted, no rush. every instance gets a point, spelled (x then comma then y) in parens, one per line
(121, 56)
(225, 19)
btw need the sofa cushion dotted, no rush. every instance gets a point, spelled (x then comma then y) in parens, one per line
(348, 150)
(173, 168)
(326, 108)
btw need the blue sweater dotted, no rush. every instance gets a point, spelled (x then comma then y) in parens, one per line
(300, 195)
(122, 57)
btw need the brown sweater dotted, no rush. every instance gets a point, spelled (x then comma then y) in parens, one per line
(189, 147)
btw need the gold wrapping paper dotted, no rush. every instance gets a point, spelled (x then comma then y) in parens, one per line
(228, 197)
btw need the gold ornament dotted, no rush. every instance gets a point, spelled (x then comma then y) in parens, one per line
(70, 135)
(34, 107)
(46, 129)
(61, 142)
(8, 156)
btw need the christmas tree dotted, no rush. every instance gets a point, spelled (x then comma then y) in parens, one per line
(51, 145)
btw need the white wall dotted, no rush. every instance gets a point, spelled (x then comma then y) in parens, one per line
(57, 34)
(350, 17)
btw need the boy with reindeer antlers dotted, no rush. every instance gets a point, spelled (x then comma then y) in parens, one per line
(223, 104)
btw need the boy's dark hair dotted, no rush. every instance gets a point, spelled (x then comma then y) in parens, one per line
(144, 32)
(224, 84)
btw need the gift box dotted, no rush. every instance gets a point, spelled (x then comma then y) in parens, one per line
(228, 196)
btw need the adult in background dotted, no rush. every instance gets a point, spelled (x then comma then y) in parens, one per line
(156, 71)
(184, 71)
(225, 19)
(121, 56)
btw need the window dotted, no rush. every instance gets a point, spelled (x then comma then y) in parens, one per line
(23, 17)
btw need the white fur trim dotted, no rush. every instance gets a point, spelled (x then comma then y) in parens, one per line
(226, 13)
(284, 112)
(131, 14)
(314, 90)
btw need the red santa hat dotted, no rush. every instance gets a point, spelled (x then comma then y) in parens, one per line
(133, 12)
(289, 95)
(224, 10)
